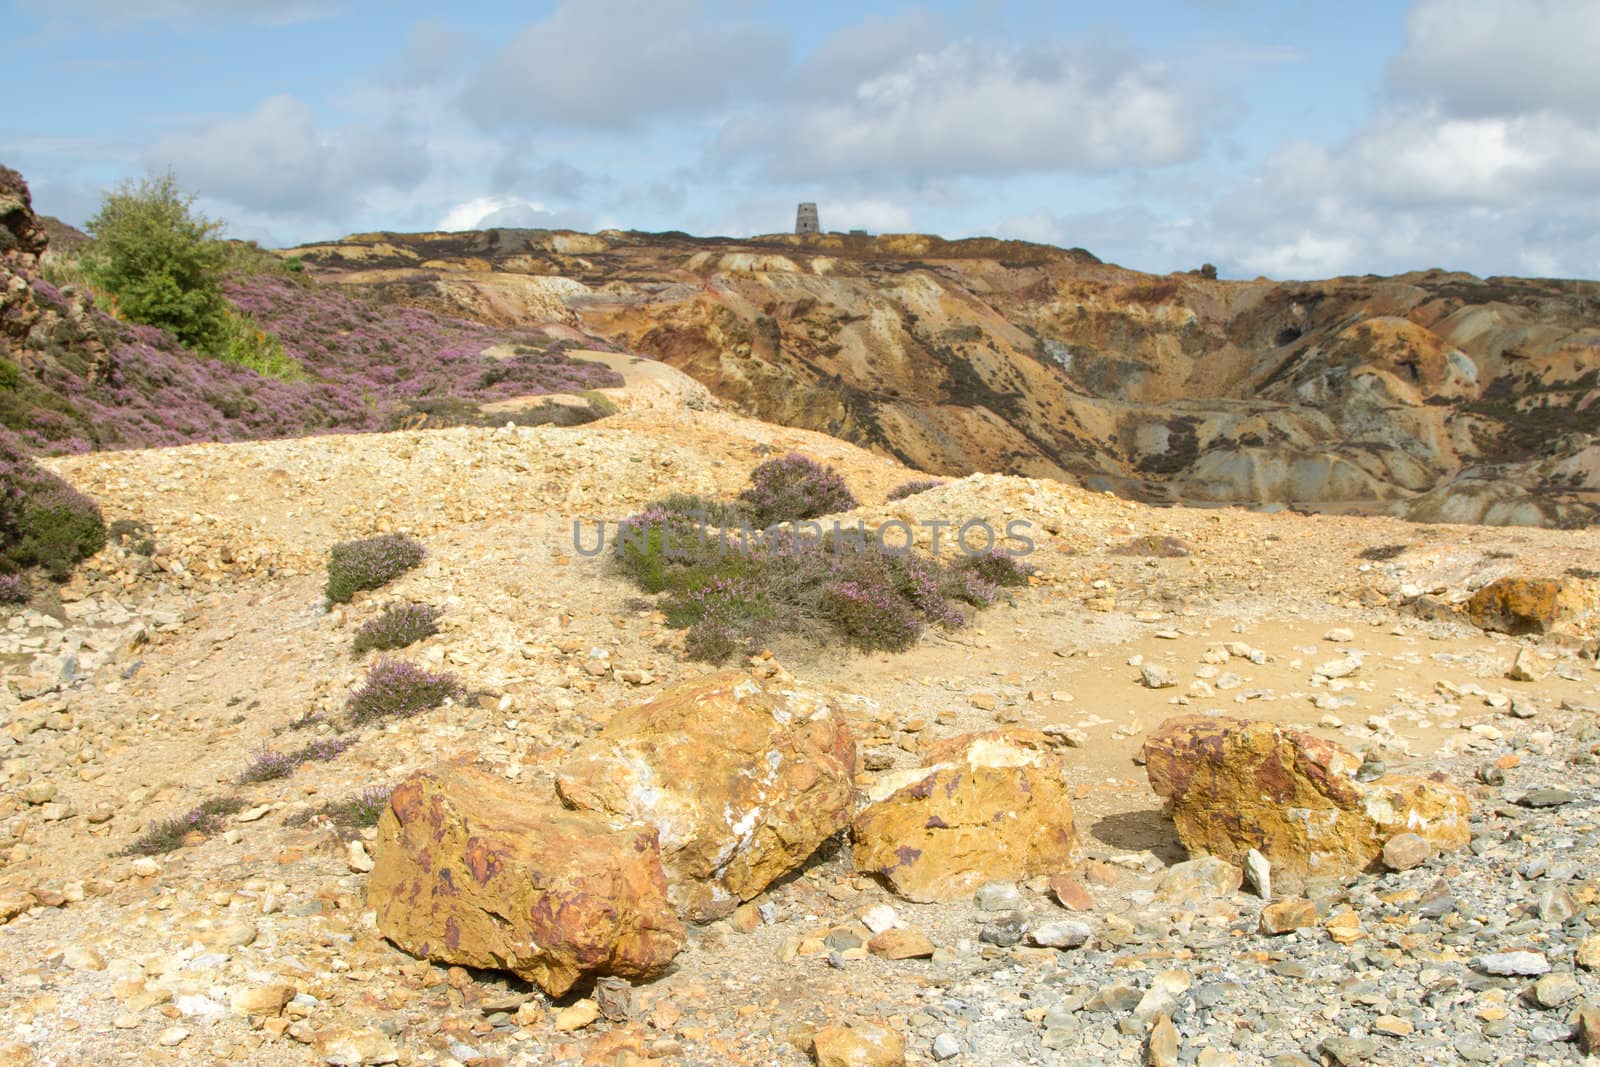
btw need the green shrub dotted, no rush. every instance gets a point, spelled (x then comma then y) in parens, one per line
(158, 261)
(399, 625)
(397, 689)
(369, 564)
(44, 522)
(241, 342)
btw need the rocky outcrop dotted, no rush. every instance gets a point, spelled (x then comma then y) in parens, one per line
(742, 784)
(1232, 785)
(475, 870)
(22, 242)
(982, 808)
(1003, 356)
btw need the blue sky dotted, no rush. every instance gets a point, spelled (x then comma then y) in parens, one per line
(1285, 138)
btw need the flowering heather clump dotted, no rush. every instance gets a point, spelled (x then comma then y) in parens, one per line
(361, 366)
(997, 568)
(268, 765)
(400, 625)
(357, 813)
(369, 564)
(726, 612)
(792, 488)
(205, 819)
(13, 589)
(44, 522)
(397, 689)
(905, 489)
(870, 615)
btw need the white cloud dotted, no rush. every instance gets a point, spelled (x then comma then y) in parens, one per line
(975, 108)
(488, 212)
(120, 14)
(276, 159)
(1502, 57)
(612, 64)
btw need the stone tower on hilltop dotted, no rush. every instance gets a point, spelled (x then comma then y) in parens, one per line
(805, 219)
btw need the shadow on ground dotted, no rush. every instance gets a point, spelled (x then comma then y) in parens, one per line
(1137, 831)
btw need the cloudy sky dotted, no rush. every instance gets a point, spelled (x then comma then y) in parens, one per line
(1289, 138)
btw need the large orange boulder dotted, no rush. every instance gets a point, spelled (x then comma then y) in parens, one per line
(983, 808)
(1233, 785)
(475, 870)
(1520, 605)
(741, 782)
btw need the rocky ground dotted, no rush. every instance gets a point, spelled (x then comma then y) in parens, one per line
(154, 681)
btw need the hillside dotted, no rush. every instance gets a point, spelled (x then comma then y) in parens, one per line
(1436, 396)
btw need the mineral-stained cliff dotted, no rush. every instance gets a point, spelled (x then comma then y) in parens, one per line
(1437, 395)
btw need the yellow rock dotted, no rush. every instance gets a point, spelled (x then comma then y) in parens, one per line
(1232, 785)
(983, 808)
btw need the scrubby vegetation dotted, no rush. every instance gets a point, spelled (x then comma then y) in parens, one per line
(397, 689)
(14, 589)
(370, 563)
(731, 585)
(399, 625)
(912, 488)
(205, 819)
(44, 522)
(268, 764)
(355, 813)
(792, 488)
(1380, 553)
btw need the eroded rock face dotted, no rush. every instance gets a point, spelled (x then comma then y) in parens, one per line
(474, 870)
(1232, 785)
(741, 783)
(983, 808)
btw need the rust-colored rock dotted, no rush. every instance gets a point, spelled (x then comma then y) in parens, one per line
(474, 870)
(1518, 605)
(741, 783)
(983, 808)
(1232, 785)
(867, 1043)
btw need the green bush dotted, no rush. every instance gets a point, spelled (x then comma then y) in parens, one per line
(240, 341)
(369, 564)
(44, 522)
(160, 262)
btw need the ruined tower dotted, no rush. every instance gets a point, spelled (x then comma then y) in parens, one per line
(805, 219)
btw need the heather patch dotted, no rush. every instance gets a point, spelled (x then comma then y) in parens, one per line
(905, 489)
(354, 813)
(269, 764)
(731, 586)
(397, 689)
(44, 522)
(13, 589)
(370, 563)
(792, 488)
(399, 625)
(205, 819)
(305, 360)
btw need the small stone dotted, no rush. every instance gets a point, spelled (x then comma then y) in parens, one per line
(1348, 1051)
(1340, 635)
(866, 1043)
(1588, 1035)
(1065, 934)
(354, 1048)
(1393, 1026)
(1527, 667)
(946, 1047)
(357, 858)
(1004, 932)
(1547, 798)
(1199, 881)
(1509, 963)
(879, 918)
(901, 944)
(39, 791)
(172, 1037)
(260, 1000)
(1153, 677)
(1405, 851)
(80, 958)
(1554, 990)
(577, 1015)
(1556, 905)
(1070, 893)
(997, 896)
(1345, 927)
(1589, 953)
(1285, 916)
(1258, 874)
(1163, 1048)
